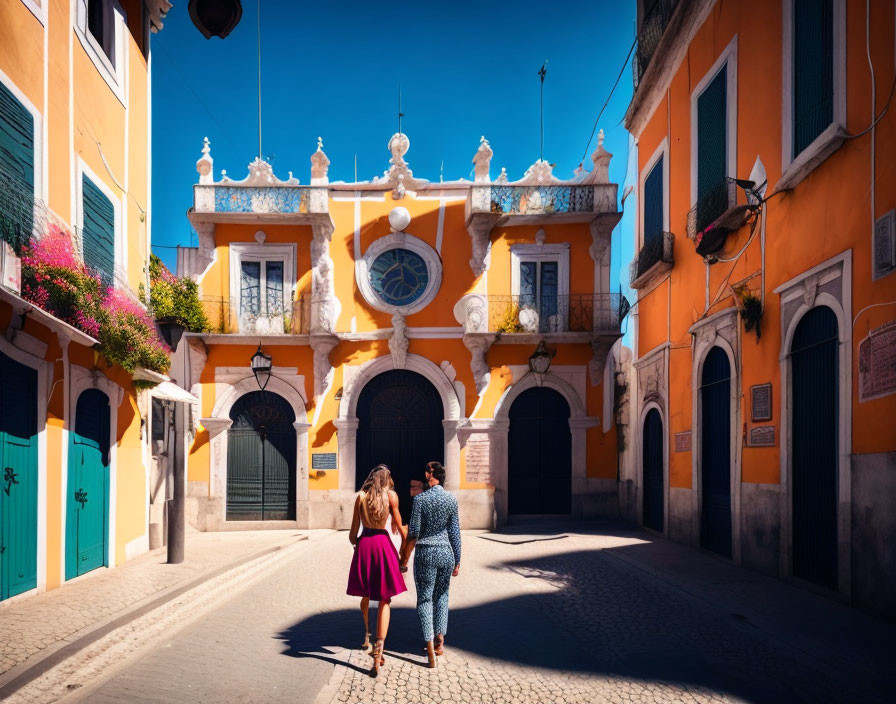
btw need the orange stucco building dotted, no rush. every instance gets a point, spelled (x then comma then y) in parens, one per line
(400, 316)
(74, 150)
(779, 451)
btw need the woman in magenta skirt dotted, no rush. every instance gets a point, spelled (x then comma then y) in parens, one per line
(375, 573)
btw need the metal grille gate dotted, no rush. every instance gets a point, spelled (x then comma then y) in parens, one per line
(715, 400)
(814, 369)
(261, 459)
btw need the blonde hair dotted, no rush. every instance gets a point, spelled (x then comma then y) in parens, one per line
(375, 494)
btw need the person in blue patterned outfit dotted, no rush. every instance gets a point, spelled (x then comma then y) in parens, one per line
(435, 531)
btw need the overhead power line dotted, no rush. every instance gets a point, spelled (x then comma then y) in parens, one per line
(607, 101)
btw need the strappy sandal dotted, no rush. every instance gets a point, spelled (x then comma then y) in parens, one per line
(439, 648)
(365, 646)
(377, 655)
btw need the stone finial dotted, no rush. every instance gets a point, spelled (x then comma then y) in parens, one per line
(502, 177)
(320, 165)
(205, 163)
(482, 159)
(398, 146)
(601, 159)
(540, 172)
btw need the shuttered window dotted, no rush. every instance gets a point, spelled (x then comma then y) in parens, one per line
(653, 203)
(813, 70)
(712, 158)
(99, 231)
(16, 170)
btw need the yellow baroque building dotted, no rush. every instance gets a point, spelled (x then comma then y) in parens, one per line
(402, 319)
(74, 148)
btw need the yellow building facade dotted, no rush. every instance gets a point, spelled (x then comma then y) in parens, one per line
(74, 150)
(400, 316)
(767, 203)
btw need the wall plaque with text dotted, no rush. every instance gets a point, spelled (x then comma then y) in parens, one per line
(683, 441)
(323, 460)
(877, 363)
(761, 402)
(762, 436)
(478, 457)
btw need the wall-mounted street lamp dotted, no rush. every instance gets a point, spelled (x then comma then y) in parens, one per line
(215, 18)
(261, 367)
(540, 361)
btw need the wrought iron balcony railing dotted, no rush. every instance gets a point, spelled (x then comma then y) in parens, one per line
(711, 205)
(658, 249)
(527, 200)
(650, 32)
(225, 317)
(591, 312)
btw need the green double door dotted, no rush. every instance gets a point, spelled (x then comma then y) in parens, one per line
(87, 502)
(18, 477)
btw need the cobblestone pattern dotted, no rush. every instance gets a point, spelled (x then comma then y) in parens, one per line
(543, 621)
(36, 622)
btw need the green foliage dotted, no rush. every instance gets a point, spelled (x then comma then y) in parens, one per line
(751, 312)
(174, 299)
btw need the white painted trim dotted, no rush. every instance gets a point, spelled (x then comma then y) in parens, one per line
(837, 267)
(40, 174)
(795, 167)
(639, 453)
(399, 240)
(40, 12)
(440, 228)
(702, 347)
(120, 255)
(540, 253)
(661, 152)
(113, 71)
(44, 371)
(262, 252)
(727, 59)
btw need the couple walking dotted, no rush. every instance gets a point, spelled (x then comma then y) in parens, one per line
(376, 571)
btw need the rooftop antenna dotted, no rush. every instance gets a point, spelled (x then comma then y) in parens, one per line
(400, 113)
(542, 72)
(259, 77)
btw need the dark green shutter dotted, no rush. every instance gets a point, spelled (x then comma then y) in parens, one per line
(813, 70)
(16, 170)
(653, 203)
(99, 231)
(712, 158)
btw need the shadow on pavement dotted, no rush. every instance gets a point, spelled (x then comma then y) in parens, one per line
(602, 617)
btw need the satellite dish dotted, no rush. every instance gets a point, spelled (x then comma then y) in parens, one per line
(215, 18)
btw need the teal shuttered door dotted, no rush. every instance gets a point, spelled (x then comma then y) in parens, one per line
(712, 141)
(18, 491)
(99, 231)
(16, 170)
(88, 486)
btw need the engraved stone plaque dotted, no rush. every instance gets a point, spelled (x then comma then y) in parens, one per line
(761, 402)
(762, 436)
(683, 441)
(877, 363)
(478, 457)
(323, 460)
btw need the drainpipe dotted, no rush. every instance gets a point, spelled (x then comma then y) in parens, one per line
(176, 506)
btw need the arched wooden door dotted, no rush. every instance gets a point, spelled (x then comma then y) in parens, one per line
(652, 457)
(87, 503)
(261, 459)
(814, 423)
(539, 453)
(400, 425)
(715, 404)
(18, 477)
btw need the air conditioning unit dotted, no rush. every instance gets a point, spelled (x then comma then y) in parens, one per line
(884, 246)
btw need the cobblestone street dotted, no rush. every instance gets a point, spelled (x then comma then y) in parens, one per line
(564, 617)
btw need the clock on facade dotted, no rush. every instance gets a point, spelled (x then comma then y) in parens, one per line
(399, 276)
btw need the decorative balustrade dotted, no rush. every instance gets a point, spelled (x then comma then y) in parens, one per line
(659, 250)
(527, 200)
(508, 315)
(224, 317)
(650, 32)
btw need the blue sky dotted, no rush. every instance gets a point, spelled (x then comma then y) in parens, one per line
(333, 69)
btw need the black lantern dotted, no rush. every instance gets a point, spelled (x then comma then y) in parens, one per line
(215, 18)
(261, 367)
(540, 361)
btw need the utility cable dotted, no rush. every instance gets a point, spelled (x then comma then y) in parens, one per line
(607, 102)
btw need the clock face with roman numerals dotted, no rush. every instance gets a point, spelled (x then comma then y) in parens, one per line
(399, 276)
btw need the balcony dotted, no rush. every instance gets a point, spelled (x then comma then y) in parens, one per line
(224, 318)
(650, 31)
(714, 216)
(566, 317)
(655, 257)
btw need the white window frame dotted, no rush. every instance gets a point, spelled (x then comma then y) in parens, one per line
(661, 152)
(727, 60)
(10, 269)
(112, 70)
(795, 168)
(261, 252)
(119, 273)
(399, 240)
(38, 9)
(558, 253)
